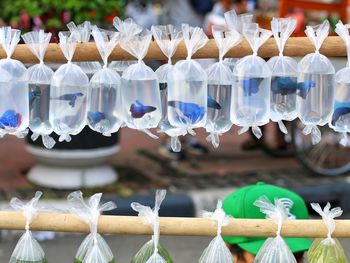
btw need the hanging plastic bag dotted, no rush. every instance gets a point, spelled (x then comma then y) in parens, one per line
(315, 85)
(68, 93)
(220, 80)
(251, 94)
(94, 248)
(142, 108)
(217, 251)
(275, 250)
(28, 250)
(39, 88)
(187, 86)
(340, 121)
(152, 251)
(14, 106)
(121, 66)
(328, 249)
(236, 22)
(168, 38)
(284, 79)
(104, 111)
(127, 28)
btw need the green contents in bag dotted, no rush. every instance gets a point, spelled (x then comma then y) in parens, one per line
(80, 261)
(147, 251)
(326, 250)
(14, 260)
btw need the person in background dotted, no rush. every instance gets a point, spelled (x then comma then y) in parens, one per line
(240, 204)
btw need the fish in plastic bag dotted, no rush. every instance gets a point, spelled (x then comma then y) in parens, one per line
(275, 250)
(39, 88)
(152, 251)
(220, 82)
(187, 86)
(104, 111)
(316, 94)
(14, 106)
(168, 38)
(94, 248)
(284, 80)
(217, 251)
(328, 249)
(28, 249)
(251, 93)
(68, 92)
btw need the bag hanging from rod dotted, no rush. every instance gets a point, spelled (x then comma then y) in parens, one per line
(284, 75)
(68, 92)
(220, 82)
(152, 251)
(315, 85)
(94, 248)
(14, 105)
(236, 22)
(328, 249)
(251, 93)
(340, 121)
(39, 83)
(104, 109)
(28, 250)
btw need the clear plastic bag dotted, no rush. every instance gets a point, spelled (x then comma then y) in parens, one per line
(217, 251)
(340, 121)
(328, 249)
(284, 80)
(94, 248)
(152, 251)
(187, 86)
(39, 81)
(275, 250)
(251, 93)
(315, 85)
(14, 106)
(168, 38)
(104, 111)
(68, 93)
(127, 28)
(28, 250)
(220, 82)
(236, 22)
(121, 66)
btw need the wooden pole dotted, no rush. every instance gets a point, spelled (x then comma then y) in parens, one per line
(175, 226)
(296, 46)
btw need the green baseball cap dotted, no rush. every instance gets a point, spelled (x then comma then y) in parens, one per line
(240, 204)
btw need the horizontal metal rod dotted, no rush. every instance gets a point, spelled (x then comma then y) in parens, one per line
(174, 226)
(295, 47)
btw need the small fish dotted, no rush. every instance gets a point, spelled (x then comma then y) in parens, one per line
(340, 108)
(163, 86)
(33, 95)
(192, 112)
(213, 103)
(96, 116)
(305, 87)
(283, 85)
(71, 97)
(251, 86)
(138, 110)
(10, 119)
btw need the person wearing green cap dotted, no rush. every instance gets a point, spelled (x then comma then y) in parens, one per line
(240, 204)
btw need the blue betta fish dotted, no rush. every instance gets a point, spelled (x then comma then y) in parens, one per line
(283, 85)
(163, 86)
(305, 87)
(213, 103)
(192, 112)
(96, 116)
(251, 86)
(340, 109)
(10, 119)
(70, 97)
(33, 95)
(138, 110)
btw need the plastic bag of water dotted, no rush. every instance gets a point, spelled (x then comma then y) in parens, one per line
(220, 82)
(217, 251)
(187, 86)
(28, 250)
(284, 75)
(141, 105)
(251, 93)
(340, 121)
(14, 106)
(168, 38)
(275, 250)
(68, 93)
(328, 249)
(104, 111)
(93, 248)
(315, 85)
(121, 66)
(154, 253)
(39, 88)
